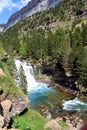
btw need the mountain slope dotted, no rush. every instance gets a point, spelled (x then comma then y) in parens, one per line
(32, 7)
(63, 14)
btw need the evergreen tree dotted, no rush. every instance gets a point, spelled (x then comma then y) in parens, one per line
(50, 37)
(60, 45)
(78, 60)
(12, 69)
(22, 80)
(84, 34)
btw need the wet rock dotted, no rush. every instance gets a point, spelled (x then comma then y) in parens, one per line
(1, 121)
(47, 114)
(52, 125)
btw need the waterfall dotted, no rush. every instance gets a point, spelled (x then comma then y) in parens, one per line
(36, 90)
(28, 73)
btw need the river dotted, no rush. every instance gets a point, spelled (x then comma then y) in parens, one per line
(41, 95)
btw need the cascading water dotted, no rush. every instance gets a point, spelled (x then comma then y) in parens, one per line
(36, 90)
(75, 105)
(28, 73)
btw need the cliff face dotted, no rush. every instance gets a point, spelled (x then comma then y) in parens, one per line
(32, 7)
(2, 27)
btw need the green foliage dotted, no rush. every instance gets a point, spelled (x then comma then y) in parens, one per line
(1, 66)
(64, 11)
(8, 84)
(12, 68)
(84, 34)
(22, 50)
(18, 76)
(31, 120)
(78, 56)
(2, 51)
(22, 80)
(31, 38)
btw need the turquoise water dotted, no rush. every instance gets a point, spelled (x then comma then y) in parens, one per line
(37, 94)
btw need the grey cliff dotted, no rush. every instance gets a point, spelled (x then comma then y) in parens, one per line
(32, 7)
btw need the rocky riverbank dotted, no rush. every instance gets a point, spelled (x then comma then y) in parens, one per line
(74, 91)
(10, 107)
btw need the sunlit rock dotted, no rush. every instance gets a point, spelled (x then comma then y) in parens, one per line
(1, 121)
(52, 125)
(2, 74)
(19, 104)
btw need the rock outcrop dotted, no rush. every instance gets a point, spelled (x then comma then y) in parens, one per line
(1, 121)
(52, 125)
(32, 7)
(2, 27)
(19, 104)
(2, 74)
(6, 105)
(10, 107)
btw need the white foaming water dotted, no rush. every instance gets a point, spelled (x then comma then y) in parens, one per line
(36, 90)
(74, 104)
(32, 84)
(28, 73)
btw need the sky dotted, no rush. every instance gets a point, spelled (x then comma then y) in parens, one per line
(8, 7)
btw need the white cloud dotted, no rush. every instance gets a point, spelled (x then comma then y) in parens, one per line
(22, 3)
(6, 4)
(9, 4)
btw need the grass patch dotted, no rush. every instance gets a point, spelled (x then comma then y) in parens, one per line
(2, 52)
(31, 120)
(8, 84)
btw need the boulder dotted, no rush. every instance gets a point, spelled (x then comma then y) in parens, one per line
(2, 74)
(1, 121)
(19, 104)
(6, 104)
(5, 128)
(70, 127)
(52, 125)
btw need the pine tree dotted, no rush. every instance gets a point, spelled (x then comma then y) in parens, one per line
(78, 60)
(22, 79)
(12, 69)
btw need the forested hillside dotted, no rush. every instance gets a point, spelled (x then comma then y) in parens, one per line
(53, 37)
